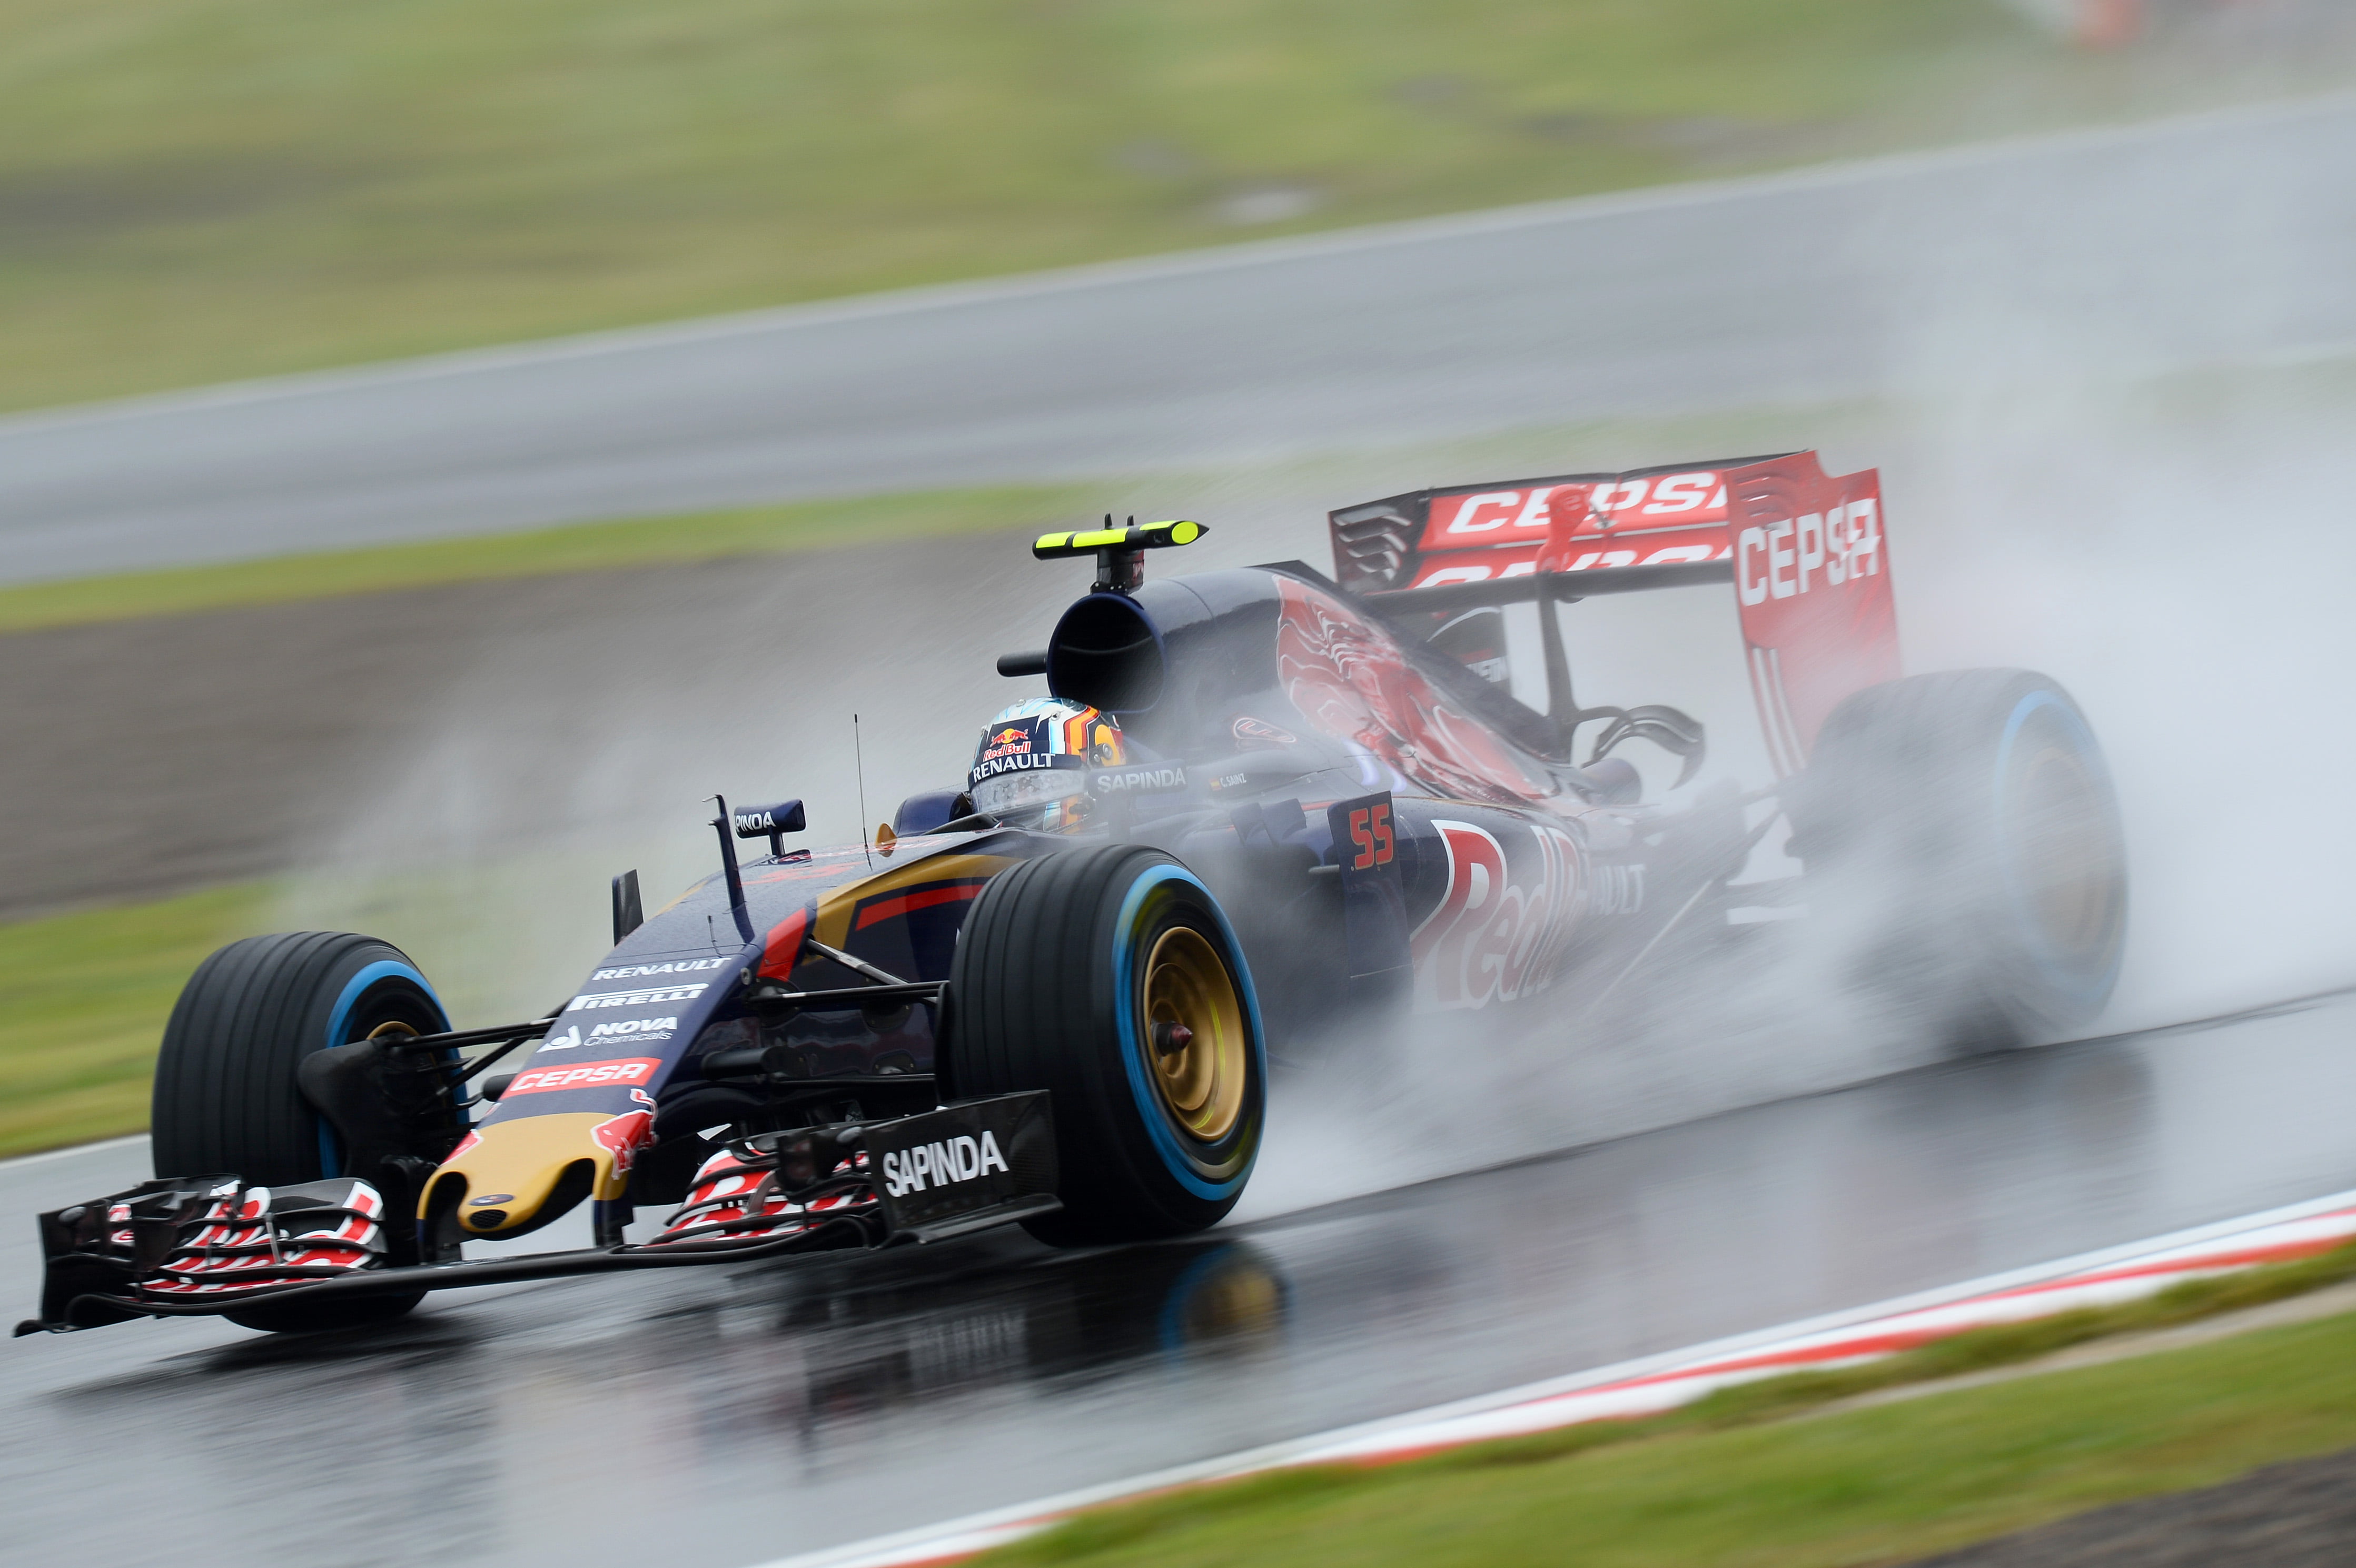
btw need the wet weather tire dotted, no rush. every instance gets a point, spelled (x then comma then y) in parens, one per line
(225, 1100)
(1961, 827)
(1110, 977)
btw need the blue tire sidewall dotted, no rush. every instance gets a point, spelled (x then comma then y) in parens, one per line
(2078, 985)
(355, 990)
(1176, 1161)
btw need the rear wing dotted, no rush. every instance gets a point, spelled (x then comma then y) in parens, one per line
(1802, 550)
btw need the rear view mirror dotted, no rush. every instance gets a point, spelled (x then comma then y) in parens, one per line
(770, 822)
(629, 913)
(767, 821)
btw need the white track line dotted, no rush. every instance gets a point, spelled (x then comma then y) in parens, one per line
(22, 1160)
(1659, 1382)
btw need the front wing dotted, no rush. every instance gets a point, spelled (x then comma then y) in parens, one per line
(203, 1246)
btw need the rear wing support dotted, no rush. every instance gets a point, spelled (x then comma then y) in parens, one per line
(1563, 712)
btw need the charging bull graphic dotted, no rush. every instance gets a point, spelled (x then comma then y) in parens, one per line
(626, 1134)
(1349, 680)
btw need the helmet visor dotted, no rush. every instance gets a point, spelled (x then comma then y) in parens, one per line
(1011, 795)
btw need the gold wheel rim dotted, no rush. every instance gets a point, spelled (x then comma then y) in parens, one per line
(1201, 1082)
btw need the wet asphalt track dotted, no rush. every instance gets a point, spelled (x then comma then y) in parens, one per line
(2217, 239)
(728, 1418)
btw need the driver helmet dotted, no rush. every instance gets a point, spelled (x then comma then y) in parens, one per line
(1034, 759)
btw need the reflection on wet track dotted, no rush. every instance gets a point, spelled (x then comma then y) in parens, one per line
(734, 1417)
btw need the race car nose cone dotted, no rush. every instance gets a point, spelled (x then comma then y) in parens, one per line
(510, 1177)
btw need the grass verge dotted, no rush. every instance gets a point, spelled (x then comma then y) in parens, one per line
(586, 547)
(83, 998)
(1727, 1481)
(199, 190)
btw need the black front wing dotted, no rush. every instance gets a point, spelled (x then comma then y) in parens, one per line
(967, 1166)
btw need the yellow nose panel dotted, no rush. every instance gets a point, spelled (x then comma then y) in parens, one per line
(511, 1169)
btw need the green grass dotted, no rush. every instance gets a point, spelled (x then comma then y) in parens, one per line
(83, 998)
(588, 547)
(1725, 1481)
(199, 190)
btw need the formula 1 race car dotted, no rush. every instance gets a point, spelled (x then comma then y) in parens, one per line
(1258, 803)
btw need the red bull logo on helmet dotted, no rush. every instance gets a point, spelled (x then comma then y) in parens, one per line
(1011, 741)
(1020, 738)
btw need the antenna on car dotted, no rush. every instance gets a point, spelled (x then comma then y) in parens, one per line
(1118, 552)
(859, 761)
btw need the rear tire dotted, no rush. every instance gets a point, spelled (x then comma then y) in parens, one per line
(1965, 822)
(1064, 967)
(226, 1098)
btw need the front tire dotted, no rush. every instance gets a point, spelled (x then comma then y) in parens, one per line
(1110, 977)
(1965, 822)
(226, 1097)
